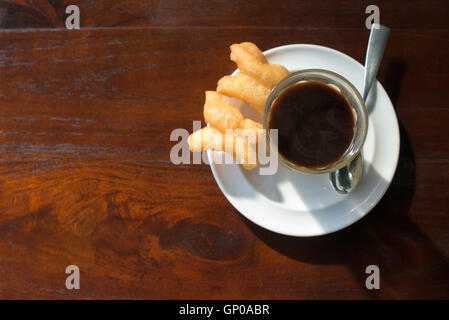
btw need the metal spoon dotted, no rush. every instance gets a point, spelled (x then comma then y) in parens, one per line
(346, 179)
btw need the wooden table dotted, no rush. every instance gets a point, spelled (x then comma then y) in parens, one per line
(86, 178)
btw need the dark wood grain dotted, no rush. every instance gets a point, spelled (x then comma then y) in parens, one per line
(85, 175)
(113, 91)
(399, 14)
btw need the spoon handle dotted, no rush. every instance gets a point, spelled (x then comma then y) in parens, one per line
(374, 52)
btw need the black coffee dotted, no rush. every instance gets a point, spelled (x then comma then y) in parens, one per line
(315, 124)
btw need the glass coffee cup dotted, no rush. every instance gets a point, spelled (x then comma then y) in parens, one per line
(321, 80)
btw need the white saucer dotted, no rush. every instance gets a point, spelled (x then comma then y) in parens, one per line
(298, 204)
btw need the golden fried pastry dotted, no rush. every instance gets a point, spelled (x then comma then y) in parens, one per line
(220, 113)
(240, 144)
(206, 138)
(243, 87)
(250, 124)
(228, 130)
(252, 62)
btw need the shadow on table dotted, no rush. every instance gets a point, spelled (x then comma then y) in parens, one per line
(386, 237)
(411, 266)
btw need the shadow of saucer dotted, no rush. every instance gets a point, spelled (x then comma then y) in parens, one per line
(393, 75)
(386, 237)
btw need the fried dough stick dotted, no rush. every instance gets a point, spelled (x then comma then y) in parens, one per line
(243, 87)
(252, 62)
(222, 115)
(211, 138)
